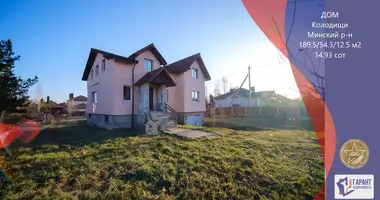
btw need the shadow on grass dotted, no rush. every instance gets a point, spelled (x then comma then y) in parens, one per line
(79, 134)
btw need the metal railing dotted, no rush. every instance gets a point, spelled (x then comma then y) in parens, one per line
(172, 112)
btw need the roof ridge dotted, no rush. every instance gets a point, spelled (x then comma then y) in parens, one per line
(197, 54)
(158, 69)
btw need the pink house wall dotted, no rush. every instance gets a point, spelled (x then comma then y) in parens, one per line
(194, 84)
(180, 96)
(175, 94)
(109, 86)
(101, 83)
(122, 76)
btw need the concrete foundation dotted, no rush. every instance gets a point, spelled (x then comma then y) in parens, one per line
(116, 121)
(191, 119)
(140, 118)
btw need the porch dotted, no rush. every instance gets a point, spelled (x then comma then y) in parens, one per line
(153, 93)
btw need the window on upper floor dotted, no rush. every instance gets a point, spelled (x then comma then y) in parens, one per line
(94, 97)
(104, 65)
(92, 74)
(148, 65)
(127, 93)
(195, 96)
(97, 70)
(194, 73)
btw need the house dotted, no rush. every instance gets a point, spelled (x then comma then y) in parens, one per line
(240, 98)
(63, 104)
(77, 105)
(122, 90)
(50, 106)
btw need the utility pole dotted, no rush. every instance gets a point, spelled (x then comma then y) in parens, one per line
(249, 83)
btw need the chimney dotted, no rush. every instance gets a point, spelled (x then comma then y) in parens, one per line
(211, 98)
(252, 89)
(71, 96)
(47, 99)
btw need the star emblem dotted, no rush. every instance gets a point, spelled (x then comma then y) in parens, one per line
(354, 153)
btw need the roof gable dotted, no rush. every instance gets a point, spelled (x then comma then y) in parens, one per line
(92, 56)
(80, 98)
(177, 67)
(131, 59)
(152, 49)
(183, 65)
(157, 76)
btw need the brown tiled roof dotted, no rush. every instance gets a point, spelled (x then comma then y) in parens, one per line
(241, 91)
(183, 65)
(157, 76)
(80, 98)
(81, 106)
(154, 51)
(130, 59)
(53, 104)
(107, 55)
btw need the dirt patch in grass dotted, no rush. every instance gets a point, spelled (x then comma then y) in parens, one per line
(89, 163)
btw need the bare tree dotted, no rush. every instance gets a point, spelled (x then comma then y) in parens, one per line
(225, 85)
(217, 91)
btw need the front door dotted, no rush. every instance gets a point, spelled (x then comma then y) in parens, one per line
(150, 98)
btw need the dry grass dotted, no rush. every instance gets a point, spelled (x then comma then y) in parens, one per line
(80, 162)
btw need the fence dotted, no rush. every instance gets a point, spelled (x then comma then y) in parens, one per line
(295, 113)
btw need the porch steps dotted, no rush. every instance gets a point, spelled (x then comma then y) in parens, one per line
(164, 120)
(157, 115)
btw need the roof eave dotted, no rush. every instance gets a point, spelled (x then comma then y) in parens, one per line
(151, 47)
(107, 55)
(203, 66)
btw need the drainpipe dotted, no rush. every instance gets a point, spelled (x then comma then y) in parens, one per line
(133, 94)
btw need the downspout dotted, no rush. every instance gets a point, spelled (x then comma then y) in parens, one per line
(133, 94)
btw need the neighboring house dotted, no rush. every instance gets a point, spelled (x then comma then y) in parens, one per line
(51, 106)
(63, 104)
(77, 105)
(240, 98)
(122, 90)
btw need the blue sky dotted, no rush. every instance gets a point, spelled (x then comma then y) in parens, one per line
(53, 39)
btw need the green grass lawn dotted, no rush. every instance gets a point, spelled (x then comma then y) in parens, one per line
(247, 123)
(79, 162)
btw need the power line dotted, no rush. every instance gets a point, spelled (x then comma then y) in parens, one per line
(210, 86)
(252, 67)
(232, 74)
